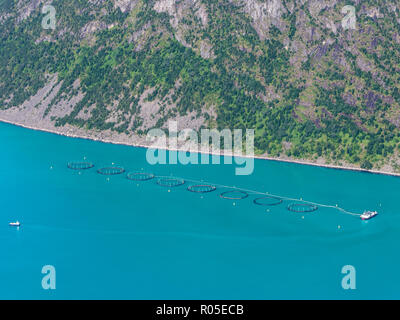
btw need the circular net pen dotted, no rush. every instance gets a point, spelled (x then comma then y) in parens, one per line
(140, 176)
(201, 188)
(110, 171)
(268, 201)
(302, 207)
(170, 182)
(234, 195)
(80, 165)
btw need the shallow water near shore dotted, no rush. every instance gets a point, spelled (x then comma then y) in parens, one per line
(113, 238)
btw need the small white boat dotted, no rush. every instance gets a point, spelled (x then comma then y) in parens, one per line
(368, 215)
(15, 224)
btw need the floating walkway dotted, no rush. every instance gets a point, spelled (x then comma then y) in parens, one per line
(196, 186)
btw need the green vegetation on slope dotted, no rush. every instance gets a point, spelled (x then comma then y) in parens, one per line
(339, 101)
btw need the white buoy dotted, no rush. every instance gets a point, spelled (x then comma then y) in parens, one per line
(338, 226)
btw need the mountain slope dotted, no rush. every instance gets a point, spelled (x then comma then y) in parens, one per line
(288, 69)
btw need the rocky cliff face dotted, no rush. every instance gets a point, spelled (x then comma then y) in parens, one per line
(311, 84)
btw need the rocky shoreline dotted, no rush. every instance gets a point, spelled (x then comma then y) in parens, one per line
(140, 141)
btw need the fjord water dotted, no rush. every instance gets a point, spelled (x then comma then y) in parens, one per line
(121, 239)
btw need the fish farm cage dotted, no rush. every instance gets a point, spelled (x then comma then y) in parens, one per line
(268, 201)
(110, 171)
(302, 207)
(140, 176)
(170, 182)
(201, 188)
(80, 165)
(234, 195)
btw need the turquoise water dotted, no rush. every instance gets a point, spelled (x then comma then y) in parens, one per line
(121, 239)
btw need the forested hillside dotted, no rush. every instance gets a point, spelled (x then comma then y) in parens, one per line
(310, 88)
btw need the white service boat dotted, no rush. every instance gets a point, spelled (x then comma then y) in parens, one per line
(368, 215)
